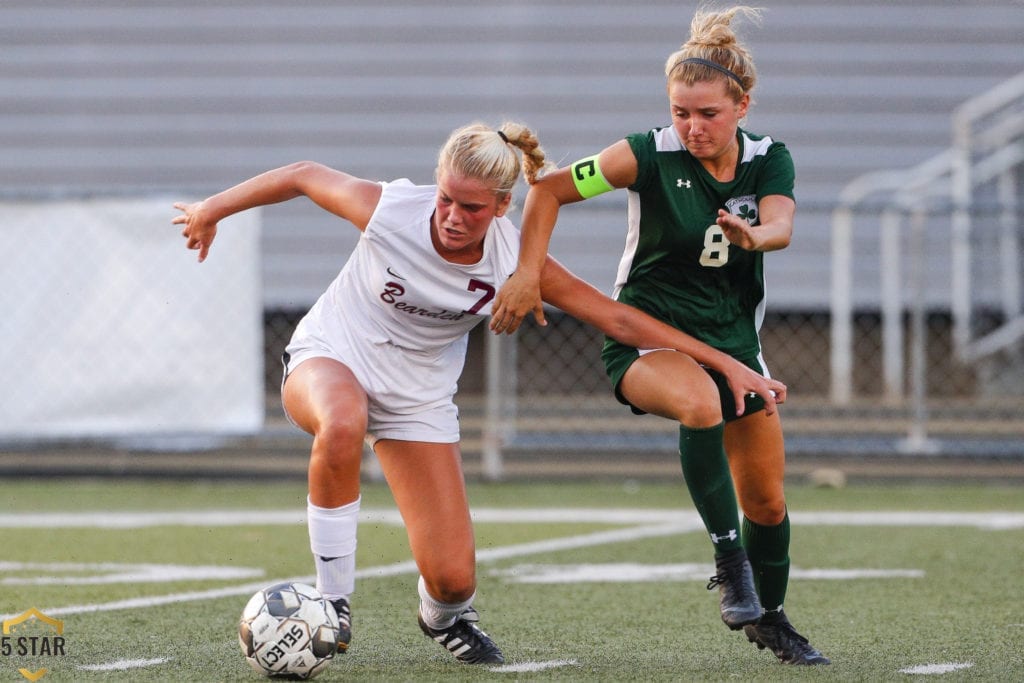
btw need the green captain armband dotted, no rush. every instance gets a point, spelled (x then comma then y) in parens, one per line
(587, 176)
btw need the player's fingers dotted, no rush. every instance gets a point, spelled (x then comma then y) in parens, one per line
(204, 249)
(769, 402)
(538, 315)
(511, 324)
(499, 320)
(740, 399)
(499, 311)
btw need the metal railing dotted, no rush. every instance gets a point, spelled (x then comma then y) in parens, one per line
(946, 183)
(996, 154)
(991, 125)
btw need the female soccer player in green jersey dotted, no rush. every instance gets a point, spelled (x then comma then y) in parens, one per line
(706, 200)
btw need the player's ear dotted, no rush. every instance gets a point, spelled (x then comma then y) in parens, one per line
(503, 204)
(743, 105)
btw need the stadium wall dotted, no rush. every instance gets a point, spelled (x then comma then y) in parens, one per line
(102, 96)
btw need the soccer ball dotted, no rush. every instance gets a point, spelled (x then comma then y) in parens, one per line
(288, 630)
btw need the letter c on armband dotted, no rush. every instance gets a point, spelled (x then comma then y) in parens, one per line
(587, 176)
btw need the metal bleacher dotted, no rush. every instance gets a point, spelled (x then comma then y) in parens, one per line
(131, 98)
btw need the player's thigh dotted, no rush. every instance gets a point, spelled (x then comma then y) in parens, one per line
(427, 483)
(323, 392)
(757, 459)
(672, 385)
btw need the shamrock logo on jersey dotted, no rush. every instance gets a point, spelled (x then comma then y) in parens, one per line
(743, 207)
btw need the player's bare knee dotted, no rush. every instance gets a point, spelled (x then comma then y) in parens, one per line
(452, 586)
(338, 447)
(341, 428)
(766, 511)
(699, 411)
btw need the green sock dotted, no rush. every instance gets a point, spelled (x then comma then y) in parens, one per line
(768, 551)
(706, 471)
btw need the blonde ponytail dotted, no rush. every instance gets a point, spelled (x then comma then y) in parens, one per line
(478, 151)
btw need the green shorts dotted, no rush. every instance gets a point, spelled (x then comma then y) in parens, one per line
(618, 357)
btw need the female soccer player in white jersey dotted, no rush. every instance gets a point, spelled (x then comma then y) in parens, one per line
(379, 354)
(706, 200)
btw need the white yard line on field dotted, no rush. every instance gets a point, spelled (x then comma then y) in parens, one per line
(94, 573)
(653, 523)
(638, 572)
(123, 664)
(531, 667)
(219, 518)
(405, 567)
(933, 669)
(156, 600)
(981, 520)
(215, 518)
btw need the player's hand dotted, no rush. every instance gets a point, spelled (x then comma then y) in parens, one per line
(738, 231)
(744, 382)
(518, 297)
(199, 231)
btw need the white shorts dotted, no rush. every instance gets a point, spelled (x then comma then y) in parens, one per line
(434, 421)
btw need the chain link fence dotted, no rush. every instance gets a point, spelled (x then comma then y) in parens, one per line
(553, 406)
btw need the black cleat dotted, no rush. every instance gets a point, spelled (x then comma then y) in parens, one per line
(344, 624)
(775, 633)
(465, 640)
(738, 597)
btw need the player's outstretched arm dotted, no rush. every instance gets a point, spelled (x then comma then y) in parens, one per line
(342, 194)
(633, 327)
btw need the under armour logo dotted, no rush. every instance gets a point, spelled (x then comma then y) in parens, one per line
(732, 536)
(683, 183)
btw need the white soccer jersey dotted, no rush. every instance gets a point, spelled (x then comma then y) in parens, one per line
(398, 314)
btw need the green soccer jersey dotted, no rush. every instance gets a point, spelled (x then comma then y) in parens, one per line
(678, 266)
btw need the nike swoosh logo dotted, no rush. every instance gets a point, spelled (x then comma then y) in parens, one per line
(394, 274)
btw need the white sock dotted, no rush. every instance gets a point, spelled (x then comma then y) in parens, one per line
(332, 538)
(335, 576)
(439, 615)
